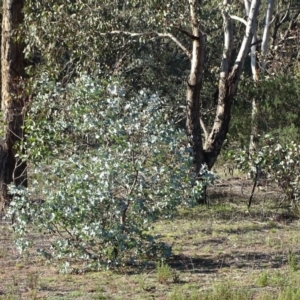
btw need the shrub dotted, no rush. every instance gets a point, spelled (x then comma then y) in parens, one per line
(280, 163)
(104, 168)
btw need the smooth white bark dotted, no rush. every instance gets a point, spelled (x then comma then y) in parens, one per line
(253, 145)
(266, 34)
(252, 16)
(228, 40)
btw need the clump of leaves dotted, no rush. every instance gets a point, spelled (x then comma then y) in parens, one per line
(104, 168)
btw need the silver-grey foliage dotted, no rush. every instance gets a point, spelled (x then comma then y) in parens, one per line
(111, 168)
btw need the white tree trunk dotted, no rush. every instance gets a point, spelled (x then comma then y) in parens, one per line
(228, 83)
(254, 134)
(253, 145)
(266, 34)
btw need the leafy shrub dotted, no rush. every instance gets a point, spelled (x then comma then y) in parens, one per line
(280, 163)
(103, 169)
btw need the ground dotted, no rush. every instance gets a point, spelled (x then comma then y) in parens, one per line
(223, 251)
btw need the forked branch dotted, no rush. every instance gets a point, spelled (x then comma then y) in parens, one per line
(152, 34)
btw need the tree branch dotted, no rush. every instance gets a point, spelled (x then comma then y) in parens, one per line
(204, 128)
(239, 19)
(193, 37)
(151, 34)
(228, 41)
(286, 14)
(123, 216)
(176, 41)
(256, 43)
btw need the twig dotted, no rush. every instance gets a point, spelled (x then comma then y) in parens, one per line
(186, 33)
(123, 216)
(204, 128)
(239, 19)
(257, 175)
(152, 34)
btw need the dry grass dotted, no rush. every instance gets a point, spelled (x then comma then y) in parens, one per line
(220, 252)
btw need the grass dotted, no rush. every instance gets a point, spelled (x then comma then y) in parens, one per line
(220, 252)
(263, 279)
(164, 272)
(292, 261)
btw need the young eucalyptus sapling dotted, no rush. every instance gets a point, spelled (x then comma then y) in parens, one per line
(110, 168)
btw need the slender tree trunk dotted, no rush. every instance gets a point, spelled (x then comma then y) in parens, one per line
(254, 134)
(253, 145)
(13, 99)
(266, 34)
(194, 86)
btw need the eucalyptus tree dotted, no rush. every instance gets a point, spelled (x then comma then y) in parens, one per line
(13, 98)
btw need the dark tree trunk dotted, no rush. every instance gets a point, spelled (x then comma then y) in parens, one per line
(13, 99)
(194, 86)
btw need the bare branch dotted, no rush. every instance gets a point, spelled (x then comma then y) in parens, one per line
(186, 33)
(256, 43)
(151, 34)
(286, 14)
(134, 182)
(129, 33)
(204, 128)
(239, 19)
(176, 41)
(284, 18)
(123, 216)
